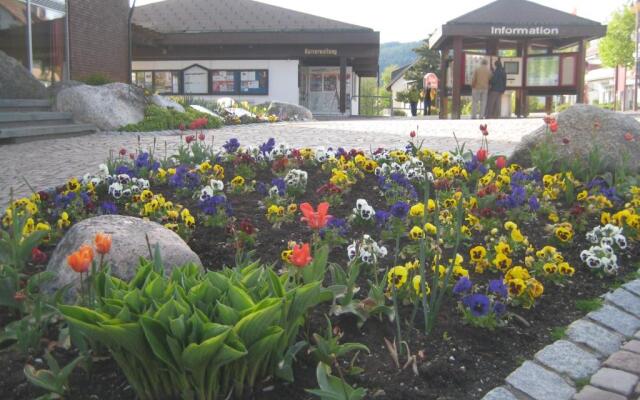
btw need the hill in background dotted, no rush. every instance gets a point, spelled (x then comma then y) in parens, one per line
(397, 53)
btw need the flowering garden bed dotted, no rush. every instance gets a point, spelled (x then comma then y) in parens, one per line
(483, 261)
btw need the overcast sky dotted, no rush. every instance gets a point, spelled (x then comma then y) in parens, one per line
(411, 20)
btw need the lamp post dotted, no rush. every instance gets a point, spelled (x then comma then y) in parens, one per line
(29, 39)
(637, 57)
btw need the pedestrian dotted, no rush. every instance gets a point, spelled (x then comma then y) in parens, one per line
(498, 85)
(427, 99)
(480, 89)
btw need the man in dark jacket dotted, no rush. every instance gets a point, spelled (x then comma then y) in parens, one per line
(498, 85)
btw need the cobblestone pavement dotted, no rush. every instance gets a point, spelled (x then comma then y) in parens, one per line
(51, 162)
(598, 360)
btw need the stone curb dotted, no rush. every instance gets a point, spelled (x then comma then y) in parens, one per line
(598, 360)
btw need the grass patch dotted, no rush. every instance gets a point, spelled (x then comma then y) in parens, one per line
(588, 305)
(559, 332)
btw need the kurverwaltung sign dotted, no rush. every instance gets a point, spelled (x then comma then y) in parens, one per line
(524, 31)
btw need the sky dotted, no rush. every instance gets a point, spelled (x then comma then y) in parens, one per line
(411, 20)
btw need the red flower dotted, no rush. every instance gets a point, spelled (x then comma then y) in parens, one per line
(247, 227)
(38, 256)
(548, 119)
(628, 137)
(103, 243)
(301, 255)
(181, 126)
(189, 139)
(501, 162)
(123, 152)
(483, 129)
(201, 137)
(412, 134)
(132, 156)
(565, 140)
(553, 126)
(81, 260)
(482, 155)
(315, 220)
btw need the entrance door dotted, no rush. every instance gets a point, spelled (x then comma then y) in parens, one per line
(321, 92)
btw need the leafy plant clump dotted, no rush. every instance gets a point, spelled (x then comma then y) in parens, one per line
(197, 335)
(97, 79)
(158, 118)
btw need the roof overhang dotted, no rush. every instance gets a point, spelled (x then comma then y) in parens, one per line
(558, 33)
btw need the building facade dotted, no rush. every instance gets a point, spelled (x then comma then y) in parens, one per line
(607, 86)
(67, 39)
(253, 52)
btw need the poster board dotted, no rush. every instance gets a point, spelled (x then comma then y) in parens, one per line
(254, 81)
(471, 63)
(568, 70)
(543, 71)
(196, 80)
(223, 81)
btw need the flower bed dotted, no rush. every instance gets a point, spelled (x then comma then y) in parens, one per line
(483, 261)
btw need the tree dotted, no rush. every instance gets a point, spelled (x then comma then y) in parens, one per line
(617, 48)
(428, 61)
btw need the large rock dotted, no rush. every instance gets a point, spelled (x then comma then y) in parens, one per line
(205, 110)
(57, 87)
(128, 245)
(288, 111)
(582, 128)
(16, 82)
(108, 107)
(166, 102)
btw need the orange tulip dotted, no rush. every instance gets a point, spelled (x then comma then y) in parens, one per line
(103, 243)
(315, 220)
(301, 255)
(81, 260)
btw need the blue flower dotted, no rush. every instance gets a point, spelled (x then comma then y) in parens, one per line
(462, 286)
(478, 304)
(123, 169)
(267, 147)
(231, 145)
(280, 184)
(261, 188)
(498, 287)
(108, 207)
(400, 209)
(382, 217)
(534, 204)
(211, 204)
(499, 308)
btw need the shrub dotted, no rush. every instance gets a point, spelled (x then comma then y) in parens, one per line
(97, 79)
(197, 335)
(399, 113)
(158, 118)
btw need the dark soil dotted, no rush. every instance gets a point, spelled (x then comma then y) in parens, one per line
(455, 362)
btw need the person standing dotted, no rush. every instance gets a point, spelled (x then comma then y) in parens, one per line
(480, 89)
(498, 86)
(427, 99)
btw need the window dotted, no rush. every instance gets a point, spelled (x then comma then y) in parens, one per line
(144, 79)
(166, 82)
(246, 82)
(196, 80)
(254, 82)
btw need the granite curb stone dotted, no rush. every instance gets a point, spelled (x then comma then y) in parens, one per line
(568, 359)
(540, 383)
(616, 319)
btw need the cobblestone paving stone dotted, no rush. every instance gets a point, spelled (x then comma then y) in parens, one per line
(48, 163)
(598, 360)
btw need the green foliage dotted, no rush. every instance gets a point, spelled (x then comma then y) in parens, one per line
(411, 95)
(617, 47)
(334, 388)
(396, 53)
(158, 118)
(161, 330)
(559, 332)
(55, 379)
(428, 61)
(96, 79)
(15, 246)
(544, 155)
(588, 305)
(328, 348)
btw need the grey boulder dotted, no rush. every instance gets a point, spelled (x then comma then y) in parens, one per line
(108, 107)
(288, 111)
(165, 102)
(128, 245)
(581, 128)
(16, 82)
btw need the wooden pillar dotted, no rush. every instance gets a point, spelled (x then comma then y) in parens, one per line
(442, 84)
(524, 99)
(581, 71)
(456, 106)
(343, 84)
(548, 100)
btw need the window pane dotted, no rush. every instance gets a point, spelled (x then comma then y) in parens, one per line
(254, 82)
(163, 81)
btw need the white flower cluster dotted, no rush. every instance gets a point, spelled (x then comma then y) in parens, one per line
(602, 254)
(367, 250)
(101, 176)
(296, 179)
(215, 186)
(363, 210)
(413, 169)
(125, 186)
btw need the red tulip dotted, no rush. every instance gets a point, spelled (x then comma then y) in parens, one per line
(201, 137)
(81, 260)
(189, 139)
(123, 152)
(412, 134)
(628, 137)
(483, 129)
(38, 256)
(181, 126)
(482, 155)
(103, 243)
(553, 126)
(548, 119)
(301, 255)
(501, 162)
(315, 220)
(565, 140)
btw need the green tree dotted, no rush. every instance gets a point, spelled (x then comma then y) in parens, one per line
(428, 61)
(617, 47)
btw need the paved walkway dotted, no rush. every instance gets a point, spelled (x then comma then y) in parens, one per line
(51, 162)
(598, 360)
